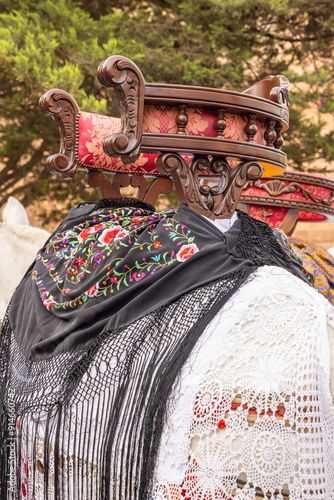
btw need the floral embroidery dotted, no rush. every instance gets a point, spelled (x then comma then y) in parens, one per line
(88, 232)
(116, 232)
(93, 290)
(317, 262)
(119, 247)
(48, 304)
(186, 251)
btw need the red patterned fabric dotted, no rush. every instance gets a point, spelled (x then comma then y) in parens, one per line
(162, 120)
(274, 215)
(92, 130)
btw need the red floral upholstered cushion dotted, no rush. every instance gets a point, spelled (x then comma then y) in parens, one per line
(93, 129)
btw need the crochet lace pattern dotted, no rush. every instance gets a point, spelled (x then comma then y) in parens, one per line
(251, 414)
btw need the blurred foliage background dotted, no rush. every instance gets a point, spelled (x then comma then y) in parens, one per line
(218, 43)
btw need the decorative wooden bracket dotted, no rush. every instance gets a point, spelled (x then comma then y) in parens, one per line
(63, 107)
(107, 189)
(127, 80)
(213, 201)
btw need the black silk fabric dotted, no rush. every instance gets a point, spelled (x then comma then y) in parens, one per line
(104, 268)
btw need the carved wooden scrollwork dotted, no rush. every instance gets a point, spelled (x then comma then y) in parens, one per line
(214, 200)
(127, 80)
(107, 189)
(240, 175)
(280, 95)
(221, 168)
(277, 187)
(63, 107)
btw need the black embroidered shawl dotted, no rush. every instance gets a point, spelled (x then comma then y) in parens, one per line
(96, 335)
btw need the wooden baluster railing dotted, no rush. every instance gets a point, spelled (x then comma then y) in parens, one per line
(181, 119)
(251, 127)
(220, 123)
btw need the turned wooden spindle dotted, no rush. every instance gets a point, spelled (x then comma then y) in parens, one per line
(251, 127)
(279, 139)
(181, 119)
(220, 123)
(270, 133)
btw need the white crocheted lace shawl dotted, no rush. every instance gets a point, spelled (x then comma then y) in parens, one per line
(252, 409)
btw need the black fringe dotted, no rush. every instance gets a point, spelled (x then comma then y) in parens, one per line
(124, 202)
(100, 411)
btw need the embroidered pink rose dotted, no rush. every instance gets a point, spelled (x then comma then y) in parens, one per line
(93, 290)
(88, 232)
(48, 304)
(114, 233)
(186, 251)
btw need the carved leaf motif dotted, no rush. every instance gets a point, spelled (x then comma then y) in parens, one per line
(273, 187)
(201, 197)
(241, 174)
(276, 187)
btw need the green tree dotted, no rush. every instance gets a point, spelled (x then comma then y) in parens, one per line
(217, 43)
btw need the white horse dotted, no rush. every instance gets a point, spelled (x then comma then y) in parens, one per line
(18, 247)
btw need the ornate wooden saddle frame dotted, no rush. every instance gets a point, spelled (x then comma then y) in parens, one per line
(240, 141)
(284, 200)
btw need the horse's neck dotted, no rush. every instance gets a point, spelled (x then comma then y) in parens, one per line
(26, 234)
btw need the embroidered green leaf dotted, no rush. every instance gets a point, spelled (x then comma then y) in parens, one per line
(190, 240)
(84, 298)
(164, 256)
(117, 273)
(137, 265)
